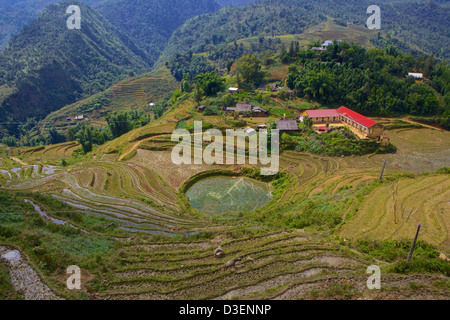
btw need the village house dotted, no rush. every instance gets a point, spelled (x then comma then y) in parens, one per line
(326, 44)
(322, 116)
(369, 128)
(222, 71)
(272, 87)
(260, 112)
(241, 107)
(364, 126)
(417, 76)
(287, 126)
(233, 90)
(247, 108)
(320, 49)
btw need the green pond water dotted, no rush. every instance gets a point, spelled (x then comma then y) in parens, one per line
(221, 194)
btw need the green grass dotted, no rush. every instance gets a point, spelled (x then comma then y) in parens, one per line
(425, 258)
(6, 288)
(53, 247)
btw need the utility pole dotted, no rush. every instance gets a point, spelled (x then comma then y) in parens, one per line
(382, 170)
(414, 242)
(326, 167)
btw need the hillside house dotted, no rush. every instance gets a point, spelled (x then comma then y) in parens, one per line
(287, 126)
(326, 44)
(249, 131)
(233, 90)
(367, 127)
(417, 76)
(384, 140)
(241, 107)
(260, 112)
(262, 127)
(272, 86)
(323, 116)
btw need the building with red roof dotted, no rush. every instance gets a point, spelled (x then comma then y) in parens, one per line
(371, 129)
(365, 126)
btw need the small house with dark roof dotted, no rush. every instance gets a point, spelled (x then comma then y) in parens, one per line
(241, 107)
(287, 126)
(259, 112)
(272, 86)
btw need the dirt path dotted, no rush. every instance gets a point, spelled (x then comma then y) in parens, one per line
(23, 278)
(421, 124)
(137, 144)
(18, 161)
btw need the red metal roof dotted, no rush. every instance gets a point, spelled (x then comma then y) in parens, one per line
(355, 116)
(325, 113)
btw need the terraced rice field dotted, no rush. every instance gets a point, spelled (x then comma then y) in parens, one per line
(392, 211)
(54, 152)
(190, 271)
(165, 254)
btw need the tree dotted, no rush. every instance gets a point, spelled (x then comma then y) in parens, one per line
(55, 137)
(249, 68)
(197, 94)
(210, 83)
(308, 122)
(84, 137)
(118, 123)
(186, 83)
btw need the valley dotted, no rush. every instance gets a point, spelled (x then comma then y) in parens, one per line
(88, 178)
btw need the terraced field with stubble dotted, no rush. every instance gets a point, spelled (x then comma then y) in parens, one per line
(167, 247)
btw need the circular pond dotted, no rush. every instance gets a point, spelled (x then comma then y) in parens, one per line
(222, 194)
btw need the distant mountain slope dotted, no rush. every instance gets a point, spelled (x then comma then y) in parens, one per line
(47, 66)
(235, 3)
(131, 94)
(14, 14)
(413, 26)
(150, 23)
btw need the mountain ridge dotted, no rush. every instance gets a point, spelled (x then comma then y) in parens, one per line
(46, 65)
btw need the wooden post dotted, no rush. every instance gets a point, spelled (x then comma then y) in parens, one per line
(414, 243)
(382, 170)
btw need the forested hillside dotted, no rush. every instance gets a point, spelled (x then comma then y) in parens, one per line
(235, 3)
(14, 14)
(150, 23)
(373, 81)
(412, 26)
(47, 66)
